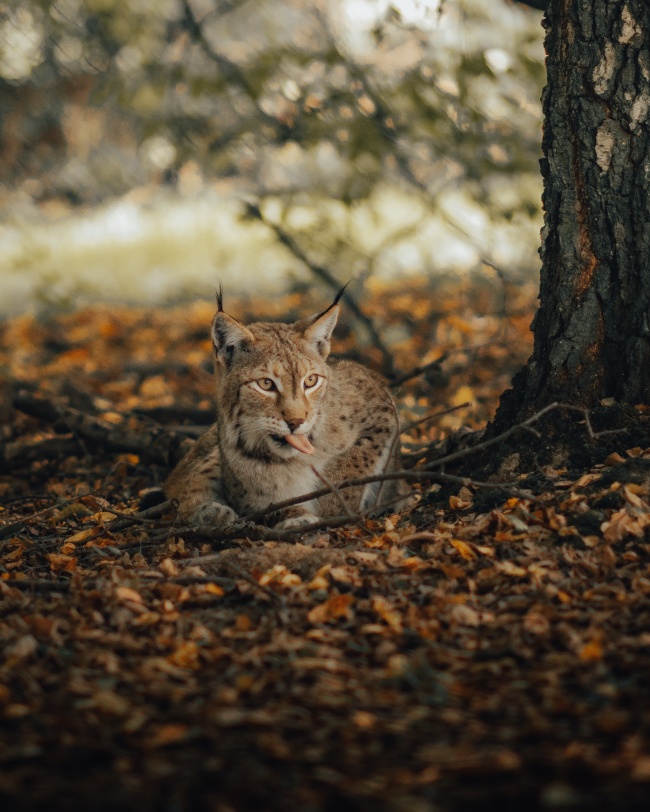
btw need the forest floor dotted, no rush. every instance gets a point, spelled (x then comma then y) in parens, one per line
(489, 647)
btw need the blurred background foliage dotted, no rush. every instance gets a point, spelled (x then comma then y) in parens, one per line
(152, 147)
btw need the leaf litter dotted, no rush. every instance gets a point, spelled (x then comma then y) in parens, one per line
(482, 647)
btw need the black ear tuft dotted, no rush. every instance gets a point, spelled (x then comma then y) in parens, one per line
(337, 299)
(338, 296)
(220, 299)
(229, 337)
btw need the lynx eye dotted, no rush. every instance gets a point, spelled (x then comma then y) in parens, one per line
(266, 384)
(310, 381)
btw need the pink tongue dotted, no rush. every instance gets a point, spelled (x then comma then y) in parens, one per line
(301, 442)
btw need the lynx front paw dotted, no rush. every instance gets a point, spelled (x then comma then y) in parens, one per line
(215, 513)
(293, 522)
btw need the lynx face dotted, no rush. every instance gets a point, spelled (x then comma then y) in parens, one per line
(271, 382)
(288, 420)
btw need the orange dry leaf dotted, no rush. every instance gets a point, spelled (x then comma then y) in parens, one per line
(364, 720)
(280, 575)
(84, 535)
(628, 521)
(77, 355)
(338, 606)
(591, 652)
(146, 619)
(102, 517)
(185, 656)
(62, 563)
(16, 554)
(243, 623)
(375, 542)
(125, 593)
(463, 548)
(168, 734)
(511, 569)
(213, 589)
(387, 613)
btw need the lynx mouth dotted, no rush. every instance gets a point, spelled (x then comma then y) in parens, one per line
(301, 442)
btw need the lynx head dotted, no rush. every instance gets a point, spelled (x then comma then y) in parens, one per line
(271, 381)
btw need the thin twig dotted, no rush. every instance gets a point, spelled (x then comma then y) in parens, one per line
(124, 520)
(593, 435)
(456, 455)
(416, 371)
(333, 489)
(326, 276)
(409, 426)
(391, 475)
(346, 483)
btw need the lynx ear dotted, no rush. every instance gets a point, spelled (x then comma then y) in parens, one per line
(320, 328)
(229, 337)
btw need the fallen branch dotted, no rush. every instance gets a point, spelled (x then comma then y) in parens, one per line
(153, 444)
(417, 371)
(464, 452)
(124, 520)
(17, 453)
(177, 414)
(38, 585)
(438, 476)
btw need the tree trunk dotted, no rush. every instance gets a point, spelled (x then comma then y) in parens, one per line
(592, 330)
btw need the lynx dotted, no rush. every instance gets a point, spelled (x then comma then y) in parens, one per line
(286, 413)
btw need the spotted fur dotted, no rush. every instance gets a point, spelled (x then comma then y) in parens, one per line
(276, 381)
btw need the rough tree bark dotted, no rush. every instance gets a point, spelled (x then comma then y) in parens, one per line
(592, 329)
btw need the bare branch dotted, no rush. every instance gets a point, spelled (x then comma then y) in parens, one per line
(333, 489)
(326, 276)
(406, 428)
(152, 443)
(457, 455)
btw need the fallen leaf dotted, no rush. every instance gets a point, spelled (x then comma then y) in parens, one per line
(336, 608)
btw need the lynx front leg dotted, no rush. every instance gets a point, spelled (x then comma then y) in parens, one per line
(298, 516)
(199, 502)
(197, 487)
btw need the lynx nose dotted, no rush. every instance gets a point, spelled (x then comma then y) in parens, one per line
(294, 422)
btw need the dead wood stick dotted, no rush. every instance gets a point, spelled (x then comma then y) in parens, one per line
(14, 527)
(346, 483)
(38, 585)
(421, 370)
(256, 532)
(151, 443)
(17, 453)
(415, 475)
(124, 520)
(176, 414)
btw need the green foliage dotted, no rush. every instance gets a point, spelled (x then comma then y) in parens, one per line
(283, 97)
